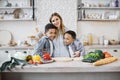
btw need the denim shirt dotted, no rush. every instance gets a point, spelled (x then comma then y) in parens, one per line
(77, 46)
(42, 44)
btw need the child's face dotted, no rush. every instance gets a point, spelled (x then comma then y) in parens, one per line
(51, 33)
(68, 39)
(56, 21)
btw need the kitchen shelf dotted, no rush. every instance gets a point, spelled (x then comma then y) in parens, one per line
(16, 7)
(109, 8)
(86, 12)
(16, 19)
(17, 11)
(100, 19)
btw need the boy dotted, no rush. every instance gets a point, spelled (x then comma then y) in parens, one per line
(74, 46)
(45, 43)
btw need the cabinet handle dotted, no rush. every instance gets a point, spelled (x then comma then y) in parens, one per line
(6, 51)
(25, 52)
(115, 50)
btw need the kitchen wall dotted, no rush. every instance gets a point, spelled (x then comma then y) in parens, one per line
(109, 29)
(44, 8)
(68, 10)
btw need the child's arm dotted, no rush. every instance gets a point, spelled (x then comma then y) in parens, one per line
(80, 50)
(76, 54)
(39, 47)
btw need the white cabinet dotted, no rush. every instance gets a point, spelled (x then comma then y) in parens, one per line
(17, 10)
(3, 56)
(113, 52)
(93, 10)
(4, 52)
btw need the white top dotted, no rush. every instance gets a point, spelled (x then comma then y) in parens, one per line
(51, 47)
(60, 47)
(71, 51)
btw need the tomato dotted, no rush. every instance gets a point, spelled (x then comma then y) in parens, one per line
(46, 56)
(107, 54)
(35, 62)
(31, 61)
(40, 62)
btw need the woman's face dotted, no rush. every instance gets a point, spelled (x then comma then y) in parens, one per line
(56, 21)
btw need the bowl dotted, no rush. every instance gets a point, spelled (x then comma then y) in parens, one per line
(113, 42)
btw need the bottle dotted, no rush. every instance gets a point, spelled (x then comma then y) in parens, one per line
(112, 3)
(90, 39)
(116, 3)
(101, 40)
(84, 15)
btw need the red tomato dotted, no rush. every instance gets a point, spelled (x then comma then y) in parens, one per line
(107, 54)
(40, 62)
(46, 56)
(34, 62)
(31, 61)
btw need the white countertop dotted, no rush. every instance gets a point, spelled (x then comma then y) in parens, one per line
(87, 47)
(72, 66)
(102, 46)
(16, 47)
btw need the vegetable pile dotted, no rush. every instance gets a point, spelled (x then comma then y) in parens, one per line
(8, 65)
(22, 60)
(96, 55)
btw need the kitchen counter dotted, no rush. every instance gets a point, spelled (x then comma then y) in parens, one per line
(16, 48)
(102, 46)
(74, 70)
(87, 46)
(72, 66)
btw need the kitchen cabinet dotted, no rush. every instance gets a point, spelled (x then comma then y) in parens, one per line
(72, 70)
(96, 10)
(5, 51)
(17, 10)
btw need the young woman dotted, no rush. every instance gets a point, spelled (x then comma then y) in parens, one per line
(60, 48)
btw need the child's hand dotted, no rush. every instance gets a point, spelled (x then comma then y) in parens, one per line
(76, 54)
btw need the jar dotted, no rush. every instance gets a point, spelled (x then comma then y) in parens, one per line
(101, 40)
(90, 39)
(116, 3)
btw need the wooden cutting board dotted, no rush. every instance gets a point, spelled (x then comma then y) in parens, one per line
(66, 59)
(62, 59)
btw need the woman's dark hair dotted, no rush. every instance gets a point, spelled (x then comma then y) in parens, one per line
(72, 33)
(50, 26)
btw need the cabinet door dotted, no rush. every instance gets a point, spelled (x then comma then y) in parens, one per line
(3, 56)
(113, 52)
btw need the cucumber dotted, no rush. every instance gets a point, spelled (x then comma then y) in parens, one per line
(4, 65)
